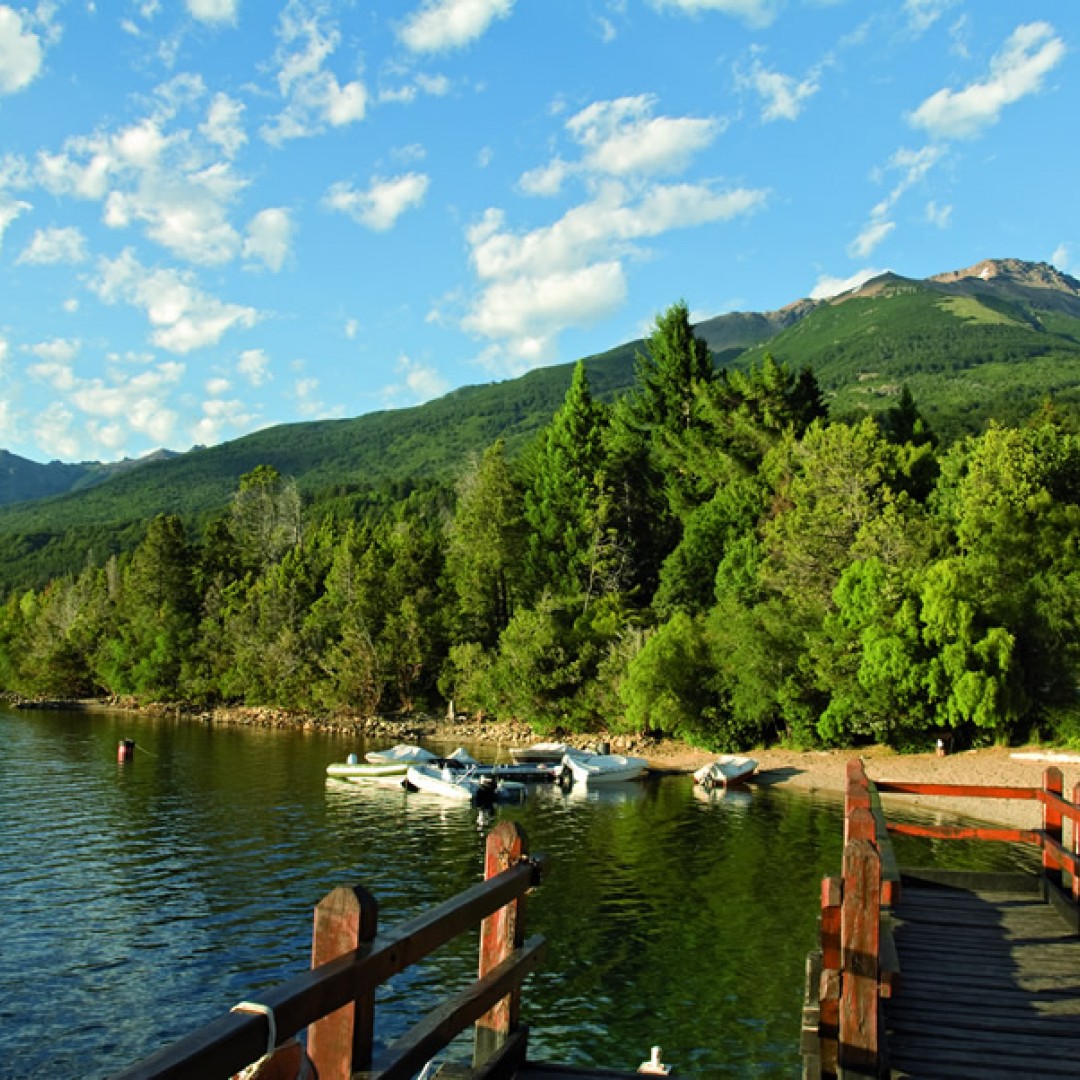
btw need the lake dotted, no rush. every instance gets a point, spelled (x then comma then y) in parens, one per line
(142, 899)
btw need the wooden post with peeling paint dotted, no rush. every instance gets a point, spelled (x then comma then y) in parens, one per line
(500, 933)
(342, 1042)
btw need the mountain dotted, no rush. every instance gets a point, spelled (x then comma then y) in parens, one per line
(993, 340)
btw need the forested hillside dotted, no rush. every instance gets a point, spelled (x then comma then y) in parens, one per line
(711, 555)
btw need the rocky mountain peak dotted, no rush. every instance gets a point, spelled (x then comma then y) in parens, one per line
(1038, 275)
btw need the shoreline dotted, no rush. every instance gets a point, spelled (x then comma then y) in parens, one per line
(803, 770)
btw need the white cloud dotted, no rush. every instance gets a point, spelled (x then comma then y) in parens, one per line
(21, 52)
(783, 96)
(182, 316)
(420, 381)
(314, 98)
(213, 11)
(1020, 68)
(440, 25)
(622, 137)
(10, 209)
(938, 215)
(217, 386)
(922, 14)
(269, 237)
(827, 286)
(222, 416)
(58, 351)
(52, 431)
(254, 365)
(755, 13)
(222, 125)
(546, 179)
(54, 245)
(382, 203)
(872, 234)
(538, 283)
(1061, 258)
(81, 170)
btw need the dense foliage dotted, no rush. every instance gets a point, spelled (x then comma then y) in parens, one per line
(708, 556)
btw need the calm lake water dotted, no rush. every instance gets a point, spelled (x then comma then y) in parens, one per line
(140, 900)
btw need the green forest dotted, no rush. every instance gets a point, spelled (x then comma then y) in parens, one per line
(707, 556)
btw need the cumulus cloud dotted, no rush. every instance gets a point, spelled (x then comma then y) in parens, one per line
(419, 382)
(783, 97)
(828, 286)
(622, 137)
(537, 283)
(269, 237)
(213, 11)
(755, 13)
(314, 98)
(55, 245)
(221, 417)
(441, 25)
(223, 124)
(254, 365)
(1032, 51)
(109, 408)
(21, 51)
(182, 316)
(384, 201)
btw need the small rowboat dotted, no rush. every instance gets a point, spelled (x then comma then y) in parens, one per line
(726, 769)
(601, 768)
(461, 784)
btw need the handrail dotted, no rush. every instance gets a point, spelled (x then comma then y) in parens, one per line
(350, 960)
(855, 966)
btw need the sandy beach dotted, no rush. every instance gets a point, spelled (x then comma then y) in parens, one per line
(825, 771)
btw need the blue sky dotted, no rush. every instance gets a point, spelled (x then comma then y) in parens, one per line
(218, 215)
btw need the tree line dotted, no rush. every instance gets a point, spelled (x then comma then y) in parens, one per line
(709, 557)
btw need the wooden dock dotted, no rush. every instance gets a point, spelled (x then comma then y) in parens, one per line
(989, 984)
(947, 975)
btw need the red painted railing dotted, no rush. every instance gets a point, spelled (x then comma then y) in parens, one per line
(855, 966)
(351, 958)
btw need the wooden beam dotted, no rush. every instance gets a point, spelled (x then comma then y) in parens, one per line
(860, 946)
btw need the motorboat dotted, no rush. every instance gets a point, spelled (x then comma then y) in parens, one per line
(585, 768)
(726, 769)
(461, 783)
(550, 753)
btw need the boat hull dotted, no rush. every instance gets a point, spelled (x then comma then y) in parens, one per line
(603, 768)
(728, 769)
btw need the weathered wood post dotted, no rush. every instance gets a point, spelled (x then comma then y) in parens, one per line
(860, 937)
(832, 891)
(1076, 845)
(342, 1042)
(1053, 785)
(856, 798)
(500, 933)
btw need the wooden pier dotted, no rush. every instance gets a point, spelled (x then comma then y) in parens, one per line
(947, 974)
(352, 956)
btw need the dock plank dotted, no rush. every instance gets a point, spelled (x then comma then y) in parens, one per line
(989, 986)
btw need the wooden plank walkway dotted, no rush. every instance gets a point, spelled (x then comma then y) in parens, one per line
(989, 986)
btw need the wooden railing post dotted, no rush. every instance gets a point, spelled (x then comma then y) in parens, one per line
(856, 797)
(860, 937)
(1053, 784)
(832, 891)
(342, 1042)
(1076, 845)
(500, 933)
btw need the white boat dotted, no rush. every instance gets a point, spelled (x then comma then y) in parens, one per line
(586, 768)
(403, 753)
(726, 769)
(462, 783)
(360, 770)
(539, 753)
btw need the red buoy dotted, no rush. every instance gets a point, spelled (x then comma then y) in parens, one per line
(126, 750)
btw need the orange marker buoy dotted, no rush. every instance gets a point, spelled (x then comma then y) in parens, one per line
(126, 750)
